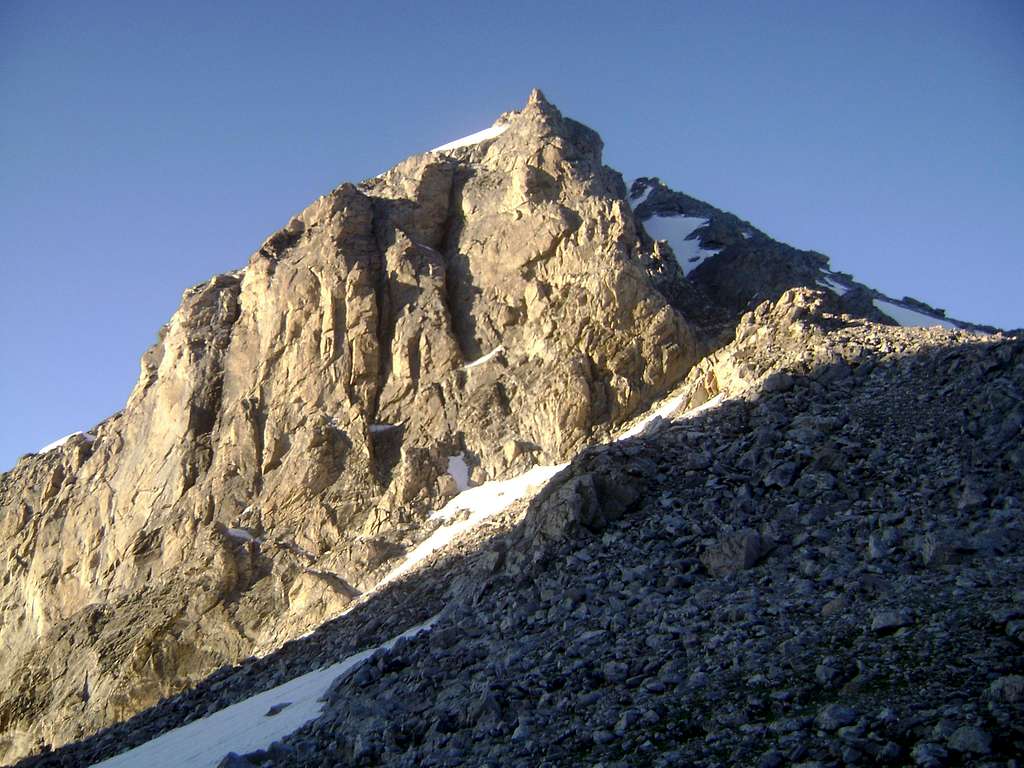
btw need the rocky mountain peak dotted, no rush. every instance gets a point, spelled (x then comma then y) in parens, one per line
(497, 304)
(473, 311)
(537, 97)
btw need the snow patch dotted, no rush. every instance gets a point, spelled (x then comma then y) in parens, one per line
(709, 405)
(459, 471)
(634, 204)
(242, 535)
(679, 232)
(474, 138)
(375, 428)
(910, 318)
(833, 286)
(245, 726)
(492, 497)
(89, 438)
(483, 502)
(666, 409)
(495, 495)
(747, 235)
(481, 360)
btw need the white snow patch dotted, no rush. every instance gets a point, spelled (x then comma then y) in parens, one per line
(490, 498)
(634, 204)
(89, 438)
(662, 412)
(241, 534)
(909, 317)
(483, 501)
(495, 495)
(708, 405)
(677, 230)
(666, 409)
(833, 286)
(747, 235)
(309, 556)
(459, 471)
(485, 358)
(374, 428)
(244, 727)
(474, 138)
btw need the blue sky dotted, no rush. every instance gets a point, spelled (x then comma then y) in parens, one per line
(147, 146)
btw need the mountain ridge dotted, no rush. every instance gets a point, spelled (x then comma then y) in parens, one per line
(477, 310)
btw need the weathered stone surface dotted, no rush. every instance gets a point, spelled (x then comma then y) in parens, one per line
(733, 553)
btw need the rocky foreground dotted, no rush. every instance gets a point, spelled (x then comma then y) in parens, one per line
(821, 567)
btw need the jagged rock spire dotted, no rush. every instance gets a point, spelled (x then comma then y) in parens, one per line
(537, 97)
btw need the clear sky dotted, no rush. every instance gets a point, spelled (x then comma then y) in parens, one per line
(146, 146)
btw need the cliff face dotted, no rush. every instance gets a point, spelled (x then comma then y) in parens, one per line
(472, 311)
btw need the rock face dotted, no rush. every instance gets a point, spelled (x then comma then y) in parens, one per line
(473, 312)
(295, 419)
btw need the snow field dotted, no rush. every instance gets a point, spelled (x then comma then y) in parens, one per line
(679, 231)
(910, 318)
(89, 437)
(634, 204)
(664, 411)
(482, 502)
(246, 726)
(833, 286)
(474, 138)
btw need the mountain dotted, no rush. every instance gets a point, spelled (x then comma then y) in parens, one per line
(737, 266)
(605, 470)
